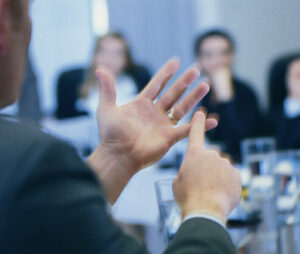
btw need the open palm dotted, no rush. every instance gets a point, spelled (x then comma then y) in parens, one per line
(141, 130)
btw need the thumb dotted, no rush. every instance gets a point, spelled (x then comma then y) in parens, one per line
(107, 94)
(197, 132)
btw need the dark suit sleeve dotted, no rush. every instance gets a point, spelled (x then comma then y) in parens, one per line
(201, 236)
(57, 206)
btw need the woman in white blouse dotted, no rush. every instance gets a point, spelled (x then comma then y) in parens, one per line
(112, 52)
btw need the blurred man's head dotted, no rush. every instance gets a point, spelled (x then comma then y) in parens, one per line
(293, 79)
(214, 50)
(15, 30)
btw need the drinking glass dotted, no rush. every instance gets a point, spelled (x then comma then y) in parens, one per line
(169, 212)
(256, 154)
(286, 171)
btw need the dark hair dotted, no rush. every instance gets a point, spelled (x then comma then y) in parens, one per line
(213, 33)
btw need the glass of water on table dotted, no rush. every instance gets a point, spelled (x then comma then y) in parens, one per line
(257, 161)
(286, 171)
(170, 215)
(256, 154)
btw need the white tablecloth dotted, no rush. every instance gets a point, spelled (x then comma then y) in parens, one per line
(138, 204)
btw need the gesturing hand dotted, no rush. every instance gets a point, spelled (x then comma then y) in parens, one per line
(206, 182)
(142, 130)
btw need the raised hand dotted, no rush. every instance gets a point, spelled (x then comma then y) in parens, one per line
(141, 132)
(206, 183)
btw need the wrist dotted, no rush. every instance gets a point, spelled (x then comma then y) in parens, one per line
(120, 159)
(113, 169)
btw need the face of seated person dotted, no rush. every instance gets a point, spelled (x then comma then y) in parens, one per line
(215, 53)
(15, 33)
(111, 53)
(294, 80)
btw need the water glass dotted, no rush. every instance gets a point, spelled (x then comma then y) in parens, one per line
(169, 212)
(286, 171)
(256, 154)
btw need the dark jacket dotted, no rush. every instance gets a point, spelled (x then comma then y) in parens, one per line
(51, 202)
(68, 86)
(285, 130)
(237, 118)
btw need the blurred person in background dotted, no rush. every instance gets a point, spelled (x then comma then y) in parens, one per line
(78, 92)
(53, 202)
(231, 99)
(277, 82)
(284, 122)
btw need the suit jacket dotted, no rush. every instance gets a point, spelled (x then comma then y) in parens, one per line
(51, 202)
(238, 118)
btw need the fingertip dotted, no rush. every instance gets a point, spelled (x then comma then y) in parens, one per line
(197, 128)
(195, 72)
(214, 122)
(100, 73)
(205, 86)
(211, 124)
(103, 71)
(197, 66)
(174, 63)
(199, 115)
(175, 59)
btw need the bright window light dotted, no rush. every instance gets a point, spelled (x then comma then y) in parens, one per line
(100, 17)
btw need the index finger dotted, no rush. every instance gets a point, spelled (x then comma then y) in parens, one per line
(158, 82)
(197, 132)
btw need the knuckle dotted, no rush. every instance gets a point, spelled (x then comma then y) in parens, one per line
(178, 113)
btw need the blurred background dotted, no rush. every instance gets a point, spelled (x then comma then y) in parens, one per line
(64, 33)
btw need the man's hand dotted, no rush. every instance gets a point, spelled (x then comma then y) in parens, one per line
(140, 133)
(206, 183)
(222, 85)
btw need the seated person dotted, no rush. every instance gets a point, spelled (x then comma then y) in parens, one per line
(78, 97)
(231, 99)
(52, 202)
(277, 88)
(284, 122)
(77, 93)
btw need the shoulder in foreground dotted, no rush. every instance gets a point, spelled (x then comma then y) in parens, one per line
(20, 135)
